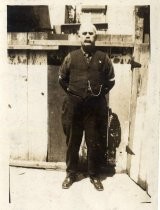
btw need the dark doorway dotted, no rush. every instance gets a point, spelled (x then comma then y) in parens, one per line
(56, 142)
(28, 18)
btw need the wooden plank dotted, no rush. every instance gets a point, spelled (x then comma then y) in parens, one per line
(38, 164)
(17, 105)
(39, 41)
(94, 7)
(37, 105)
(37, 35)
(119, 102)
(15, 38)
(133, 107)
(152, 129)
(103, 43)
(137, 139)
(31, 47)
(121, 38)
(149, 154)
(114, 44)
(145, 147)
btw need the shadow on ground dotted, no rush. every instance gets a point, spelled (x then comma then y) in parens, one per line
(106, 170)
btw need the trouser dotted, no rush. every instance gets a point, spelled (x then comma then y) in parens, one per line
(90, 116)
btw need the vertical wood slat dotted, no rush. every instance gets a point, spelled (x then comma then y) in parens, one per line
(138, 162)
(133, 103)
(145, 147)
(137, 139)
(133, 108)
(152, 131)
(17, 105)
(139, 25)
(119, 102)
(37, 105)
(148, 163)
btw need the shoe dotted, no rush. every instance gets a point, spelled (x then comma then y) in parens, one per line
(68, 182)
(97, 183)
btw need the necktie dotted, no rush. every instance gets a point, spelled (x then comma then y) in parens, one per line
(88, 57)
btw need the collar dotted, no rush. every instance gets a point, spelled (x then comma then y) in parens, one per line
(87, 54)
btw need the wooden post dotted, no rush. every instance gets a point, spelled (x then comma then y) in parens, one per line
(17, 103)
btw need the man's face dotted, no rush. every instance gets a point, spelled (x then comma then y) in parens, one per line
(87, 36)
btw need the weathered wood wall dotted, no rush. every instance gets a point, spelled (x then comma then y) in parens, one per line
(29, 73)
(28, 101)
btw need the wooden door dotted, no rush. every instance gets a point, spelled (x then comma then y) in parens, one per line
(138, 142)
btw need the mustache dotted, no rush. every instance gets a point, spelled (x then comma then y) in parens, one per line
(87, 41)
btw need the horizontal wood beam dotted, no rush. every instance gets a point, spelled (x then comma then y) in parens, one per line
(32, 47)
(37, 164)
(59, 166)
(74, 27)
(93, 7)
(54, 42)
(77, 43)
(44, 41)
(113, 44)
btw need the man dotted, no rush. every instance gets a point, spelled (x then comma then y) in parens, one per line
(86, 75)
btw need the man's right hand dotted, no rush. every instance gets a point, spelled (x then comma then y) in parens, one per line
(73, 97)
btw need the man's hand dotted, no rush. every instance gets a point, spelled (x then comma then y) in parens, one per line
(74, 98)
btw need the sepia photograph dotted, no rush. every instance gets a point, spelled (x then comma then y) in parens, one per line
(83, 105)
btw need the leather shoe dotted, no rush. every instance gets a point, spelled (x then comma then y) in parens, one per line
(68, 182)
(97, 183)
